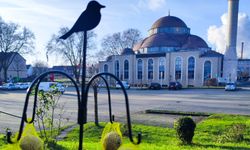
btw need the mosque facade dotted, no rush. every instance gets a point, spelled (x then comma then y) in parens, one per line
(169, 53)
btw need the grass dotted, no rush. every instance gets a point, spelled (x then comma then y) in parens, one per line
(2, 140)
(206, 136)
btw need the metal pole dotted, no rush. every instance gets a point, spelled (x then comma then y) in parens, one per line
(83, 110)
(96, 105)
(161, 74)
(242, 48)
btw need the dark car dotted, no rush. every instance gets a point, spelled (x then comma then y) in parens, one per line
(174, 86)
(155, 86)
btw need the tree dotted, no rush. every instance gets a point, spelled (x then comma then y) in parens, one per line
(39, 67)
(91, 70)
(71, 48)
(13, 40)
(113, 44)
(49, 115)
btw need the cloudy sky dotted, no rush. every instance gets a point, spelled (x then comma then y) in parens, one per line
(206, 18)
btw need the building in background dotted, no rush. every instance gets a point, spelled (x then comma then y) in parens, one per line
(15, 63)
(243, 69)
(172, 53)
(67, 69)
(169, 53)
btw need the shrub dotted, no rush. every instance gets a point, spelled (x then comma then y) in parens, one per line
(185, 127)
(234, 133)
(212, 82)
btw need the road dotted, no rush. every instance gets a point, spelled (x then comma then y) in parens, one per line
(190, 100)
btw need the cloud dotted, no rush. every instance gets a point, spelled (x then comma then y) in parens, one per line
(36, 8)
(151, 4)
(155, 4)
(217, 34)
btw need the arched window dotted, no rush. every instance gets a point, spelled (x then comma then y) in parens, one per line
(177, 68)
(117, 69)
(161, 68)
(126, 69)
(207, 70)
(191, 66)
(150, 69)
(106, 68)
(139, 69)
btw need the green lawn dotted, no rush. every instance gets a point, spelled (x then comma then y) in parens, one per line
(207, 136)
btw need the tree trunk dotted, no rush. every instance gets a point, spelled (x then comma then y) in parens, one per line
(5, 72)
(77, 76)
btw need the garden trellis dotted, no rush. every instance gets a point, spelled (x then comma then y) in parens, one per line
(82, 99)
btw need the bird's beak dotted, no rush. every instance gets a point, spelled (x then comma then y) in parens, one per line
(102, 6)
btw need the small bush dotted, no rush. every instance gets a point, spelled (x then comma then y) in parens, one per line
(235, 133)
(211, 82)
(185, 127)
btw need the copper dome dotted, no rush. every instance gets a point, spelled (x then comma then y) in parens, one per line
(166, 40)
(194, 42)
(169, 21)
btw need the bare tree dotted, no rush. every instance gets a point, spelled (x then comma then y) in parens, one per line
(39, 67)
(13, 40)
(71, 48)
(92, 69)
(113, 44)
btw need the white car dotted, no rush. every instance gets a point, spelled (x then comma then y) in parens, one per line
(124, 83)
(22, 86)
(51, 86)
(8, 86)
(230, 87)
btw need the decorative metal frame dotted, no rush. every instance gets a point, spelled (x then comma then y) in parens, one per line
(82, 105)
(83, 96)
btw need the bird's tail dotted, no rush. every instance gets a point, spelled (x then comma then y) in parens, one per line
(66, 35)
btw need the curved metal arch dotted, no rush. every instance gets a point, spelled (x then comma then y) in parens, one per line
(126, 101)
(111, 117)
(36, 83)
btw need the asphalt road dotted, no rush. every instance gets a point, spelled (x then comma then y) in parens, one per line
(190, 100)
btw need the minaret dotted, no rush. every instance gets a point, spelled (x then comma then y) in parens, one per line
(230, 58)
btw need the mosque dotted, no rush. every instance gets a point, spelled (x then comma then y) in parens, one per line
(172, 53)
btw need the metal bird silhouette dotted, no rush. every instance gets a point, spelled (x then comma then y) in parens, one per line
(88, 20)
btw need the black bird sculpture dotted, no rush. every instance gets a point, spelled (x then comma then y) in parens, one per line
(88, 20)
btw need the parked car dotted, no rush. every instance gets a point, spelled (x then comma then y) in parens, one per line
(22, 86)
(174, 86)
(154, 86)
(51, 86)
(230, 87)
(8, 86)
(124, 83)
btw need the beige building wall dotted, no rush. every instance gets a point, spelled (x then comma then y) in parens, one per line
(170, 58)
(17, 68)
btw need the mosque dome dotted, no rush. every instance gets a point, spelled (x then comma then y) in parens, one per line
(168, 34)
(169, 25)
(127, 51)
(194, 42)
(169, 21)
(164, 40)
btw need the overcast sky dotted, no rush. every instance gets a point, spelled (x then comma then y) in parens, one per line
(45, 17)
